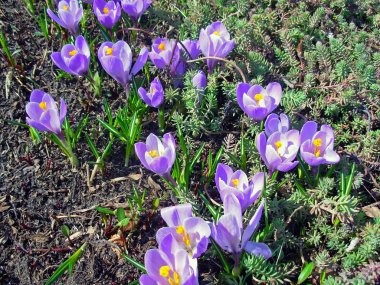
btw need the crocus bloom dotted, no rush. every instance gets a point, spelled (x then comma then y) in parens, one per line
(215, 41)
(155, 96)
(44, 114)
(274, 123)
(199, 81)
(168, 265)
(190, 232)
(280, 150)
(108, 13)
(192, 47)
(116, 60)
(135, 8)
(157, 156)
(74, 59)
(162, 54)
(230, 234)
(229, 182)
(258, 102)
(317, 146)
(69, 15)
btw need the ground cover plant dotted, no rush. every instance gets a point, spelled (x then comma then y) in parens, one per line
(190, 142)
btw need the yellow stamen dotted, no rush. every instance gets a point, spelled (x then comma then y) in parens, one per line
(317, 144)
(185, 237)
(109, 51)
(43, 106)
(73, 52)
(258, 97)
(65, 7)
(154, 153)
(106, 10)
(153, 90)
(165, 271)
(161, 46)
(171, 275)
(216, 33)
(278, 144)
(235, 182)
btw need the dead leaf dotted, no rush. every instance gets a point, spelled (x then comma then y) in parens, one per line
(372, 212)
(152, 183)
(3, 208)
(42, 238)
(135, 176)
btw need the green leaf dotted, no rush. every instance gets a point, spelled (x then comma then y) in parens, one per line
(83, 122)
(68, 264)
(107, 109)
(135, 263)
(305, 273)
(196, 157)
(112, 130)
(350, 180)
(92, 146)
(221, 255)
(65, 230)
(120, 214)
(123, 222)
(105, 210)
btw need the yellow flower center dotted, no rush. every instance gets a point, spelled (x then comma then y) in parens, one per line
(278, 144)
(73, 52)
(216, 33)
(161, 46)
(153, 90)
(106, 10)
(65, 7)
(235, 182)
(259, 97)
(317, 147)
(154, 153)
(43, 106)
(171, 275)
(185, 236)
(109, 51)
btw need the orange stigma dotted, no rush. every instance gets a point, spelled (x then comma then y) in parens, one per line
(109, 51)
(73, 52)
(43, 106)
(106, 10)
(161, 46)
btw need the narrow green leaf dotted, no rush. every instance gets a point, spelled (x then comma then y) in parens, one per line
(123, 222)
(196, 157)
(120, 214)
(234, 158)
(68, 264)
(135, 263)
(304, 170)
(65, 230)
(112, 130)
(92, 146)
(107, 109)
(305, 273)
(104, 210)
(83, 122)
(350, 180)
(221, 255)
(4, 44)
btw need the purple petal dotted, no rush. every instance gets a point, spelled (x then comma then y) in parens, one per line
(223, 172)
(258, 249)
(38, 126)
(286, 166)
(308, 130)
(175, 216)
(82, 46)
(331, 157)
(251, 227)
(232, 206)
(55, 18)
(140, 150)
(34, 111)
(62, 111)
(154, 259)
(50, 120)
(37, 95)
(146, 280)
(141, 60)
(228, 233)
(79, 64)
(59, 62)
(274, 90)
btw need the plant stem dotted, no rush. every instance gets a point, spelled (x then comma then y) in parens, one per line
(161, 119)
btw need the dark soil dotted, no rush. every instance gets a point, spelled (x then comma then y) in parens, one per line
(39, 192)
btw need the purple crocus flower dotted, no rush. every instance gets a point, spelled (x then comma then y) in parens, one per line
(258, 102)
(157, 156)
(229, 233)
(43, 113)
(317, 146)
(199, 81)
(108, 13)
(162, 54)
(280, 150)
(135, 8)
(69, 15)
(168, 265)
(116, 60)
(191, 233)
(215, 41)
(229, 182)
(192, 47)
(275, 123)
(155, 96)
(74, 59)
